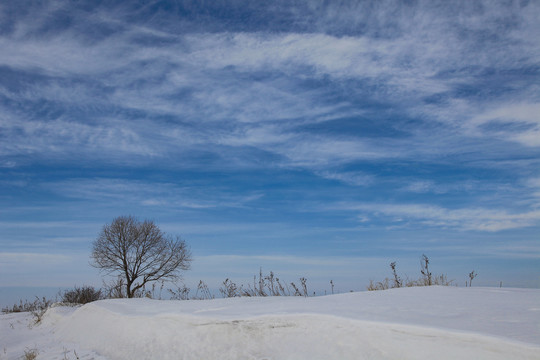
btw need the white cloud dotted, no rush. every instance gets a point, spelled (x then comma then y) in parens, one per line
(351, 178)
(429, 186)
(514, 250)
(451, 84)
(42, 224)
(321, 151)
(58, 136)
(8, 259)
(318, 55)
(163, 195)
(525, 112)
(479, 219)
(7, 164)
(45, 269)
(420, 186)
(529, 138)
(155, 79)
(524, 118)
(533, 185)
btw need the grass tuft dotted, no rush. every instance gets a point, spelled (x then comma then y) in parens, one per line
(30, 354)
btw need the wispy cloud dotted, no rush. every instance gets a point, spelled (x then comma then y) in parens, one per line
(518, 122)
(167, 195)
(60, 136)
(247, 119)
(533, 187)
(8, 258)
(237, 80)
(45, 269)
(201, 77)
(479, 219)
(351, 178)
(429, 186)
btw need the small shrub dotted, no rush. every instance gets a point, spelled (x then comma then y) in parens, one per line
(297, 291)
(180, 293)
(397, 280)
(268, 285)
(281, 290)
(203, 292)
(472, 275)
(37, 308)
(427, 278)
(40, 307)
(424, 263)
(263, 285)
(154, 294)
(16, 308)
(380, 285)
(442, 280)
(114, 289)
(230, 289)
(81, 295)
(303, 281)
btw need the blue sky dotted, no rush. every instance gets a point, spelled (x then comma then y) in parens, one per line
(312, 138)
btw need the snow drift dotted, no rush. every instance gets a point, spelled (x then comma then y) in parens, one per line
(411, 323)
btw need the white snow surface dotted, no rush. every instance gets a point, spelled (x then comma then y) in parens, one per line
(407, 323)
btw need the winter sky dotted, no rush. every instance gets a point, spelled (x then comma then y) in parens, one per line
(322, 139)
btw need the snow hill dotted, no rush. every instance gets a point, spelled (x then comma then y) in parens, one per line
(407, 323)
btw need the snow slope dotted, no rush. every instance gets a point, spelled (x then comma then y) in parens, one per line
(410, 323)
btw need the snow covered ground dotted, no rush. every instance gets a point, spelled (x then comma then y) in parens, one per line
(410, 323)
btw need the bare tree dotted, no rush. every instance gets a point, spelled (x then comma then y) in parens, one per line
(139, 253)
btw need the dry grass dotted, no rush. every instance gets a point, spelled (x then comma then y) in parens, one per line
(427, 278)
(30, 354)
